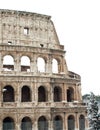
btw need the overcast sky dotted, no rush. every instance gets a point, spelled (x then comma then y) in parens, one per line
(77, 24)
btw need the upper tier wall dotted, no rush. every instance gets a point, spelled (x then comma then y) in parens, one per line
(26, 28)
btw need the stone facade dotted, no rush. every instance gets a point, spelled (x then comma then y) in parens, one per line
(35, 83)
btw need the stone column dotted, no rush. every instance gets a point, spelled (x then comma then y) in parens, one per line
(35, 125)
(1, 95)
(1, 124)
(59, 67)
(1, 64)
(50, 126)
(46, 67)
(32, 65)
(64, 122)
(49, 66)
(35, 93)
(51, 94)
(35, 69)
(78, 92)
(75, 93)
(64, 93)
(18, 126)
(18, 94)
(76, 122)
(17, 63)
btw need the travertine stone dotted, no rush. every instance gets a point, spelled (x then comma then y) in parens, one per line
(34, 36)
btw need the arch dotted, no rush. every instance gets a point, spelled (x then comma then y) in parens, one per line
(70, 94)
(41, 64)
(8, 94)
(57, 94)
(8, 63)
(26, 124)
(42, 123)
(42, 94)
(81, 122)
(25, 63)
(8, 124)
(54, 66)
(58, 123)
(71, 122)
(25, 94)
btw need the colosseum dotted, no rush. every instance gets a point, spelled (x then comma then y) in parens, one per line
(37, 91)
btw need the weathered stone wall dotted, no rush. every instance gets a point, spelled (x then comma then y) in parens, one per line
(33, 35)
(38, 29)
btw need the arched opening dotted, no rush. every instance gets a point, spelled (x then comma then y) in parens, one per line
(25, 63)
(54, 66)
(8, 94)
(70, 95)
(42, 123)
(41, 64)
(8, 124)
(8, 63)
(71, 123)
(81, 122)
(25, 94)
(26, 124)
(41, 94)
(58, 123)
(57, 94)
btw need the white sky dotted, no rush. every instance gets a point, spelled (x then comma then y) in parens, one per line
(77, 23)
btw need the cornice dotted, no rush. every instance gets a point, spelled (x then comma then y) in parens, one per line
(23, 13)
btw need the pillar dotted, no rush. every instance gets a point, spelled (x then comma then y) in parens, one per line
(35, 125)
(17, 127)
(64, 122)
(1, 124)
(76, 122)
(64, 93)
(51, 123)
(49, 66)
(35, 69)
(32, 65)
(0, 63)
(51, 94)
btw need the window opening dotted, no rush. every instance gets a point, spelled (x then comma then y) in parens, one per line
(54, 66)
(70, 95)
(25, 63)
(41, 64)
(58, 124)
(26, 31)
(42, 123)
(81, 122)
(26, 124)
(71, 123)
(9, 42)
(8, 63)
(8, 94)
(41, 45)
(41, 94)
(8, 124)
(57, 94)
(25, 94)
